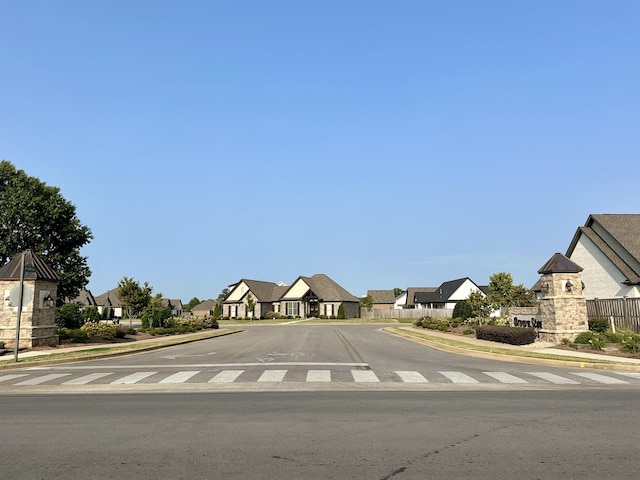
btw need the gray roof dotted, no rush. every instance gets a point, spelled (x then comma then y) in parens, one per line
(617, 236)
(84, 298)
(411, 293)
(35, 268)
(112, 295)
(382, 296)
(205, 306)
(327, 290)
(263, 291)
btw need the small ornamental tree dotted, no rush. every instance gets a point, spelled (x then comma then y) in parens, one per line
(462, 310)
(251, 304)
(341, 314)
(367, 302)
(216, 311)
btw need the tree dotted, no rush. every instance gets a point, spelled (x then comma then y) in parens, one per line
(397, 292)
(251, 304)
(478, 304)
(36, 216)
(216, 311)
(503, 294)
(91, 314)
(341, 313)
(367, 302)
(133, 297)
(223, 295)
(155, 314)
(192, 303)
(462, 310)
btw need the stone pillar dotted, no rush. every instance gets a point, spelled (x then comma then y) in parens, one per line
(563, 308)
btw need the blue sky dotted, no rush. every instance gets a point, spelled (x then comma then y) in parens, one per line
(383, 143)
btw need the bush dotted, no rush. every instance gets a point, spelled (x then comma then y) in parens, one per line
(598, 325)
(73, 335)
(273, 316)
(630, 342)
(462, 310)
(103, 330)
(417, 322)
(441, 324)
(468, 331)
(595, 340)
(509, 335)
(1, 345)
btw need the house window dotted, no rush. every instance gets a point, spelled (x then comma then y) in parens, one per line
(292, 308)
(276, 307)
(328, 309)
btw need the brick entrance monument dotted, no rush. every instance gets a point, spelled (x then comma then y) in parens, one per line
(39, 290)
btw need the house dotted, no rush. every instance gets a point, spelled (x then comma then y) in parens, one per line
(406, 299)
(203, 309)
(607, 247)
(265, 295)
(109, 304)
(382, 299)
(84, 298)
(175, 306)
(318, 295)
(447, 294)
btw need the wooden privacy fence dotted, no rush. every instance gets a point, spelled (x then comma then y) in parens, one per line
(406, 313)
(625, 312)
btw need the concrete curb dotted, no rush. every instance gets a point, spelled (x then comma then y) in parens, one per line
(83, 353)
(515, 355)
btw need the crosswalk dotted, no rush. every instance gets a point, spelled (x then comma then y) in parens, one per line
(37, 377)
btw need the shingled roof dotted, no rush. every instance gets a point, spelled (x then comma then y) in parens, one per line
(617, 236)
(382, 296)
(327, 290)
(35, 268)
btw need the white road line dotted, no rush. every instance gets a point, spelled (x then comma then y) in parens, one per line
(44, 378)
(459, 377)
(272, 376)
(553, 378)
(86, 378)
(505, 377)
(6, 378)
(133, 378)
(226, 376)
(364, 376)
(601, 378)
(411, 377)
(180, 377)
(319, 376)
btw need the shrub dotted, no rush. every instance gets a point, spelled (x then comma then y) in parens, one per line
(1, 345)
(468, 331)
(341, 313)
(417, 322)
(630, 342)
(69, 316)
(509, 335)
(598, 325)
(441, 324)
(462, 310)
(103, 330)
(594, 339)
(73, 335)
(613, 337)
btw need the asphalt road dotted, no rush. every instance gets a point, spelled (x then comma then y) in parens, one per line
(586, 434)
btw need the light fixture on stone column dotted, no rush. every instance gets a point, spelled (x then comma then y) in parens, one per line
(568, 286)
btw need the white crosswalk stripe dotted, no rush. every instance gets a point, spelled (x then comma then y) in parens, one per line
(364, 376)
(272, 376)
(411, 377)
(553, 378)
(601, 378)
(319, 376)
(43, 379)
(86, 378)
(133, 378)
(6, 378)
(505, 377)
(226, 376)
(180, 377)
(459, 377)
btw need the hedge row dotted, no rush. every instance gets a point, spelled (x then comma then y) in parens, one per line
(510, 335)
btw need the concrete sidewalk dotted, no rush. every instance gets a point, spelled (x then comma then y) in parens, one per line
(470, 343)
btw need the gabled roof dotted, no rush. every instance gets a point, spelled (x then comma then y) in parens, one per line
(411, 293)
(617, 236)
(84, 298)
(172, 303)
(382, 296)
(35, 268)
(325, 289)
(262, 291)
(112, 295)
(205, 306)
(442, 293)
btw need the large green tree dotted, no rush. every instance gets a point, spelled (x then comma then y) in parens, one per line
(35, 215)
(504, 294)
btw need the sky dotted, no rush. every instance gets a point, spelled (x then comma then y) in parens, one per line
(385, 143)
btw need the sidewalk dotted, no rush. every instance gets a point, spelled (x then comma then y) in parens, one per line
(471, 344)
